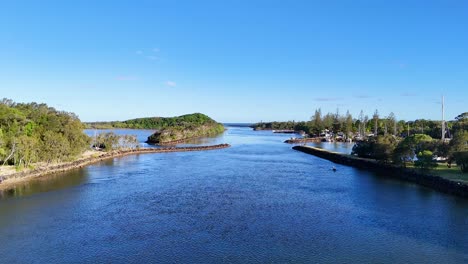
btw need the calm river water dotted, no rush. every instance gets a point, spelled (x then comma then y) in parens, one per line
(256, 202)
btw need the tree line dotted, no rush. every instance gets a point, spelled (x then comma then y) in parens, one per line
(390, 140)
(188, 120)
(363, 125)
(32, 132)
(418, 149)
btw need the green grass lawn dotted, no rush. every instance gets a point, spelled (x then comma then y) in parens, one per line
(443, 171)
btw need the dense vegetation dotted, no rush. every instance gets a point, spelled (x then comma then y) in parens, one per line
(363, 125)
(185, 127)
(418, 149)
(34, 132)
(169, 128)
(388, 139)
(110, 141)
(177, 133)
(155, 122)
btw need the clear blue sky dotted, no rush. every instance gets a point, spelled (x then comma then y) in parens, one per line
(237, 61)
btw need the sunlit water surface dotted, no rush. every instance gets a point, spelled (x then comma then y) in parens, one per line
(256, 202)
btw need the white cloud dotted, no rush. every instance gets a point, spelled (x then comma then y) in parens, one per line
(171, 84)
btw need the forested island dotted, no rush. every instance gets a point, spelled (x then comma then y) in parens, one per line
(186, 127)
(169, 129)
(153, 122)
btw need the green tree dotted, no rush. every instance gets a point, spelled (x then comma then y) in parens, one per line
(379, 148)
(337, 124)
(317, 122)
(35, 132)
(27, 150)
(461, 158)
(461, 123)
(108, 141)
(407, 149)
(328, 121)
(459, 141)
(425, 160)
(392, 123)
(458, 148)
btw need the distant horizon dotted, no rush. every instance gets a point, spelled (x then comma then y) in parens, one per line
(354, 115)
(242, 61)
(254, 122)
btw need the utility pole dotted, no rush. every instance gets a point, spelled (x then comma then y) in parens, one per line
(385, 131)
(443, 121)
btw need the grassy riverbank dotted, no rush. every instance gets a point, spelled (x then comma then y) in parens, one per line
(441, 180)
(453, 173)
(13, 177)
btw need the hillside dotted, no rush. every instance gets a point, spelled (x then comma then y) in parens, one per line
(186, 127)
(155, 122)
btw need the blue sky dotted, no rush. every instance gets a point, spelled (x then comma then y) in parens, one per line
(237, 61)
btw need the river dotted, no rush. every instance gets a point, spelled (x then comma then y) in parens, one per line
(256, 202)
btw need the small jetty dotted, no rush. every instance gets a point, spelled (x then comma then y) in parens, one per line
(286, 131)
(302, 140)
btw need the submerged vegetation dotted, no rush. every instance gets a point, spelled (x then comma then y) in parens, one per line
(35, 132)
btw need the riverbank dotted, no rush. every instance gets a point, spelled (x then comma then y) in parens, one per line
(12, 178)
(406, 174)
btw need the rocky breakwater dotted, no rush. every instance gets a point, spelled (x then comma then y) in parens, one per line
(389, 170)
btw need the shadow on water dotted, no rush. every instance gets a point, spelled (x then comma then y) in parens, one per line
(47, 183)
(53, 182)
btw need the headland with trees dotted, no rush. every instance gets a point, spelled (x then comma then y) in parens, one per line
(36, 139)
